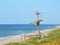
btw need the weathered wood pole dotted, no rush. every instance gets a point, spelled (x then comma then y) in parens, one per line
(38, 28)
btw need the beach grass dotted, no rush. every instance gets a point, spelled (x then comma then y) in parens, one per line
(53, 38)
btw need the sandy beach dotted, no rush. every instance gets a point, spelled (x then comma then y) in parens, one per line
(21, 37)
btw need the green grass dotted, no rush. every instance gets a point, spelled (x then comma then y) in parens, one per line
(53, 38)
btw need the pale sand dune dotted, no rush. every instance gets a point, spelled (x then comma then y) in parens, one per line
(20, 37)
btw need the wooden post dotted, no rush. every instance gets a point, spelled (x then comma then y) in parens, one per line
(24, 37)
(37, 13)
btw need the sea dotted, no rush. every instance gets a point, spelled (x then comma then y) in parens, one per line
(14, 29)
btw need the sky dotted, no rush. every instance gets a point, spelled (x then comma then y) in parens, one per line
(23, 11)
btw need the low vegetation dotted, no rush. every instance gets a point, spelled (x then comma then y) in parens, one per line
(53, 38)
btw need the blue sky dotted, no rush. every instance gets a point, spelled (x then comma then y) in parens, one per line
(22, 11)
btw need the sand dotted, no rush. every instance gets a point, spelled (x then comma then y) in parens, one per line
(21, 37)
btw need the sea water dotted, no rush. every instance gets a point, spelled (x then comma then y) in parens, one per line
(13, 29)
